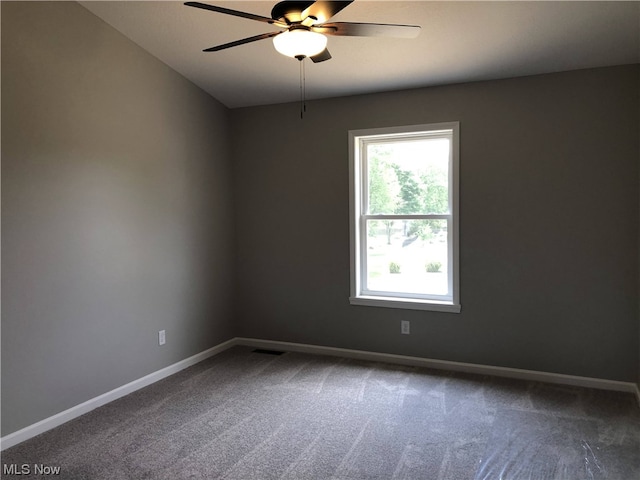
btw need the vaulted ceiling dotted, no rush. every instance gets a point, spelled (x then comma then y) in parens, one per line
(459, 42)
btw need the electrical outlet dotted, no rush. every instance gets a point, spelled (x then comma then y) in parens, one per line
(404, 327)
(161, 337)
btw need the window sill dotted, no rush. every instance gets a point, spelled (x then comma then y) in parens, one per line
(396, 302)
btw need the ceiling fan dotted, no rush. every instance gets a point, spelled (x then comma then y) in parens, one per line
(305, 28)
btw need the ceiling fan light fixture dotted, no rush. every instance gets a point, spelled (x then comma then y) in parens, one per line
(299, 42)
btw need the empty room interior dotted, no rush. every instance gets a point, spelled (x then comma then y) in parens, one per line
(411, 253)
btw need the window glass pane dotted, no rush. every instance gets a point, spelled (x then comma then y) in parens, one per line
(408, 256)
(408, 177)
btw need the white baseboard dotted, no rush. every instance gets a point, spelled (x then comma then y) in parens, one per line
(58, 419)
(74, 412)
(515, 373)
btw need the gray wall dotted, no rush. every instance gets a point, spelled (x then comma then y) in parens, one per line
(116, 212)
(549, 223)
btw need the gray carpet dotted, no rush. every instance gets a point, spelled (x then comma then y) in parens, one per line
(247, 415)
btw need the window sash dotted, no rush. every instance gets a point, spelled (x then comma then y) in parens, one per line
(365, 141)
(364, 270)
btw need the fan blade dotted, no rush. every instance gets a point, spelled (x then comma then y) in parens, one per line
(349, 29)
(321, 57)
(235, 13)
(323, 11)
(242, 42)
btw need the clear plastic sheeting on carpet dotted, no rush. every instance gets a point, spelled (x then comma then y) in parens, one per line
(247, 415)
(538, 446)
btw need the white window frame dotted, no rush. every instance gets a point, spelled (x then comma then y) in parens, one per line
(358, 140)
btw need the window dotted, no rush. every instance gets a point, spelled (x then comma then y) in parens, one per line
(404, 217)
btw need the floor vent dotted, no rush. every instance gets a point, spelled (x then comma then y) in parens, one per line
(268, 352)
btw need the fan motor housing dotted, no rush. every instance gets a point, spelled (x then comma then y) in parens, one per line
(289, 12)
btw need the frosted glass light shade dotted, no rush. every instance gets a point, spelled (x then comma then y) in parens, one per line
(296, 43)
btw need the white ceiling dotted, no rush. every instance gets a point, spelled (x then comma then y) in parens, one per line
(459, 42)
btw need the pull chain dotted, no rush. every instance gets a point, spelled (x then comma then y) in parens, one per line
(303, 87)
